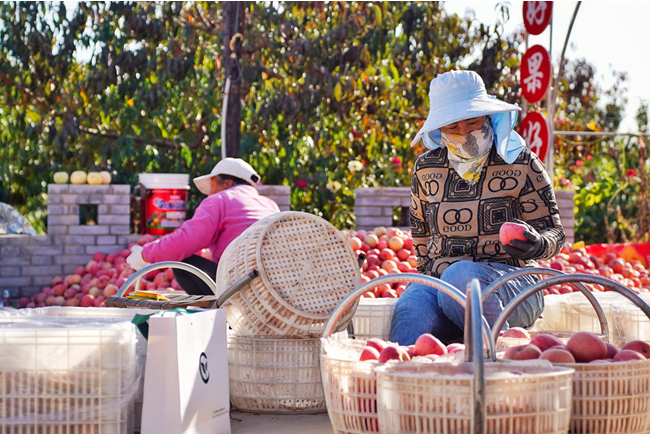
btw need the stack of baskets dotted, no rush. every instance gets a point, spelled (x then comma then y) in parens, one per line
(306, 268)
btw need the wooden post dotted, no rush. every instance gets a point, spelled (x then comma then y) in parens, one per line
(233, 12)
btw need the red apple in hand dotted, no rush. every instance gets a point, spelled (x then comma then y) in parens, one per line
(638, 346)
(522, 352)
(545, 341)
(427, 344)
(586, 346)
(512, 231)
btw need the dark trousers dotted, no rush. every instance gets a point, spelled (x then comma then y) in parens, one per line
(190, 282)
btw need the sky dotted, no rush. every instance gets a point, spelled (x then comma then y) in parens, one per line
(610, 35)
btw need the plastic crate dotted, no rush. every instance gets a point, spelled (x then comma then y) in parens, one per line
(610, 398)
(85, 313)
(438, 398)
(67, 377)
(629, 323)
(278, 375)
(373, 318)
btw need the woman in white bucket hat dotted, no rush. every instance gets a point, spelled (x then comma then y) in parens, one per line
(233, 205)
(477, 175)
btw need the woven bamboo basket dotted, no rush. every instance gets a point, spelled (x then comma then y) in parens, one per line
(306, 267)
(278, 375)
(610, 398)
(438, 398)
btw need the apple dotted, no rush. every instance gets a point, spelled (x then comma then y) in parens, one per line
(368, 353)
(396, 243)
(71, 279)
(455, 347)
(391, 293)
(94, 292)
(427, 344)
(638, 346)
(70, 293)
(56, 281)
(586, 346)
(88, 300)
(393, 353)
(545, 341)
(355, 243)
(380, 231)
(40, 297)
(59, 290)
(110, 290)
(558, 356)
(628, 355)
(388, 265)
(59, 301)
(522, 352)
(515, 332)
(512, 231)
(382, 244)
(371, 240)
(376, 343)
(612, 350)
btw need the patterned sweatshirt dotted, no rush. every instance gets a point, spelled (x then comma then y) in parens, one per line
(452, 220)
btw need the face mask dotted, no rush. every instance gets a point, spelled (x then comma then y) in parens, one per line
(468, 152)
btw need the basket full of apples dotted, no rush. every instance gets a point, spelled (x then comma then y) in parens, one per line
(610, 386)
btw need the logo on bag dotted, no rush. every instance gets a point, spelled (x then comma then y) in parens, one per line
(203, 368)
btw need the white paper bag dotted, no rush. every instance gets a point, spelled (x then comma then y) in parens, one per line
(186, 374)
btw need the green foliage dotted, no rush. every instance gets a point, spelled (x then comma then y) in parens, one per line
(332, 95)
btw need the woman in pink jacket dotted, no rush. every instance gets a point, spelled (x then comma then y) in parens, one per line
(233, 205)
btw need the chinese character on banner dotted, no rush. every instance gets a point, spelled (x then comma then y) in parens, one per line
(537, 16)
(535, 131)
(536, 73)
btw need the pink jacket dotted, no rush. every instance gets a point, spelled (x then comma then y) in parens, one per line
(217, 221)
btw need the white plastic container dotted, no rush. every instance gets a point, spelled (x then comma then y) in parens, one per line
(67, 376)
(372, 318)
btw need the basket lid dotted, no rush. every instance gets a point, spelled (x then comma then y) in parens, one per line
(308, 262)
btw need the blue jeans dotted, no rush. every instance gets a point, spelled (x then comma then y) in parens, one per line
(422, 308)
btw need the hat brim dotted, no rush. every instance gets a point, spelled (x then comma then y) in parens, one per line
(203, 183)
(480, 106)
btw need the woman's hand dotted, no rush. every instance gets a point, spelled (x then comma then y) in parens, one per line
(136, 260)
(526, 250)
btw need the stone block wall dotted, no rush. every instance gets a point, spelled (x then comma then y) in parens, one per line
(280, 194)
(373, 207)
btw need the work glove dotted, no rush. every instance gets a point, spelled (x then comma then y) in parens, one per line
(534, 247)
(135, 260)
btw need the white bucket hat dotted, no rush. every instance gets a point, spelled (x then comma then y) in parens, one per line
(458, 95)
(227, 166)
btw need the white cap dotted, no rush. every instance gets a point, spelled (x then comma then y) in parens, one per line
(228, 166)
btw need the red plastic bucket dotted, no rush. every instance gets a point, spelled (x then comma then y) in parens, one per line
(163, 202)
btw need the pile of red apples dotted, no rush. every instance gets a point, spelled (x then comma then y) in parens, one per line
(388, 251)
(582, 347)
(633, 275)
(379, 351)
(102, 277)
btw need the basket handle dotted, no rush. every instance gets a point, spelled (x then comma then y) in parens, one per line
(135, 278)
(547, 271)
(474, 353)
(577, 277)
(446, 288)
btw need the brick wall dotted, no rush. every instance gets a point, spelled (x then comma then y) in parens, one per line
(373, 207)
(28, 263)
(280, 194)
